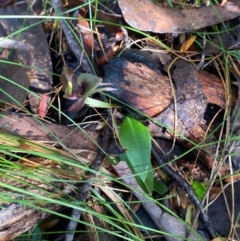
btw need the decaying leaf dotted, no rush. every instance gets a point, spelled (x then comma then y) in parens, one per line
(148, 16)
(188, 43)
(43, 105)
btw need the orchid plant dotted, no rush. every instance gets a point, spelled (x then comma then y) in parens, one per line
(81, 87)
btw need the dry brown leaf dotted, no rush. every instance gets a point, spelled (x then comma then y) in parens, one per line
(234, 177)
(148, 16)
(188, 43)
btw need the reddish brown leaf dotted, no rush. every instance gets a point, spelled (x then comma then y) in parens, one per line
(43, 105)
(88, 41)
(187, 43)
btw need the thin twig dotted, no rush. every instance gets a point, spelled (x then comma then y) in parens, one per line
(73, 44)
(187, 188)
(85, 188)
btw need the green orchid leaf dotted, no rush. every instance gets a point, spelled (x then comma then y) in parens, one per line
(136, 139)
(148, 184)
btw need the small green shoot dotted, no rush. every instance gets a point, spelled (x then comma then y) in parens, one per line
(199, 189)
(159, 187)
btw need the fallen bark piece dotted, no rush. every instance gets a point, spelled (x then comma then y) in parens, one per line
(34, 129)
(148, 16)
(17, 219)
(185, 123)
(188, 111)
(213, 89)
(25, 196)
(139, 86)
(139, 81)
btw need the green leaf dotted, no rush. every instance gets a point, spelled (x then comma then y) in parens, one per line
(98, 103)
(136, 139)
(36, 234)
(199, 189)
(189, 214)
(148, 184)
(159, 187)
